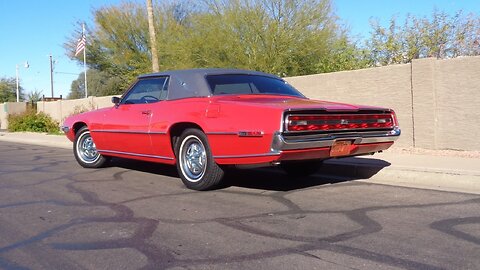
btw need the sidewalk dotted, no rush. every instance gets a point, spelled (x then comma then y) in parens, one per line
(440, 170)
(428, 171)
(36, 139)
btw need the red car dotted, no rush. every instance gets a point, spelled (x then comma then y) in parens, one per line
(204, 120)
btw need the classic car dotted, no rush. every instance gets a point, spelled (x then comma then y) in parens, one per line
(205, 120)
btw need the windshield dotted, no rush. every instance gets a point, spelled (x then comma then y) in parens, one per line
(243, 84)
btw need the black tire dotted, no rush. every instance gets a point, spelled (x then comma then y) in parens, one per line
(195, 163)
(296, 169)
(85, 150)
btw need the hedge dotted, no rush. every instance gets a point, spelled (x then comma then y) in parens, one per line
(32, 121)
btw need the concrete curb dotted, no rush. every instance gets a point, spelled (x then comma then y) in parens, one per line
(396, 175)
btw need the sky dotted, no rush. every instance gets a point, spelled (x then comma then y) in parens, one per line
(31, 30)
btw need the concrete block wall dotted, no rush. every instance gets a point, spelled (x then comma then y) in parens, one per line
(10, 108)
(424, 103)
(384, 87)
(61, 109)
(457, 96)
(437, 101)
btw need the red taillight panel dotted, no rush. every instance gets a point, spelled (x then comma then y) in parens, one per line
(333, 122)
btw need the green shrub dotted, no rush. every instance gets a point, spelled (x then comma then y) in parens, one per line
(32, 121)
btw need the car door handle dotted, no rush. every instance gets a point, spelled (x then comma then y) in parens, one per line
(148, 112)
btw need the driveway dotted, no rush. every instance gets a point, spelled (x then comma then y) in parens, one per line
(136, 215)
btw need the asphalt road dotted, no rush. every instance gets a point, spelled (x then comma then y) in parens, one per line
(134, 215)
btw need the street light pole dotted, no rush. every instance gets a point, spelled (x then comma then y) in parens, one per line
(51, 74)
(16, 73)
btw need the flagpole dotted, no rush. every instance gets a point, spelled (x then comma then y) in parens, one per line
(85, 59)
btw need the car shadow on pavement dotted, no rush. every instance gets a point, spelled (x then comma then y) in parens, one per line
(330, 172)
(274, 179)
(144, 166)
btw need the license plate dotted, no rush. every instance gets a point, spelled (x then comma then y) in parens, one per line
(340, 148)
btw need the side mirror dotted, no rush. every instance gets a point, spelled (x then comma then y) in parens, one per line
(116, 101)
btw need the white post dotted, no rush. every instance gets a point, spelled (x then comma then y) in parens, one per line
(85, 59)
(18, 92)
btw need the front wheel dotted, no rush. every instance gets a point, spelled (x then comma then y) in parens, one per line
(85, 150)
(195, 163)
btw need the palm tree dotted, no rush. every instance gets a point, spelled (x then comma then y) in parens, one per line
(34, 96)
(153, 39)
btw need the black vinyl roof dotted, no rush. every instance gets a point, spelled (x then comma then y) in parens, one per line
(205, 72)
(191, 82)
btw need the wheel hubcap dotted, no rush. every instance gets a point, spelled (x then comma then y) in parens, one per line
(87, 149)
(194, 160)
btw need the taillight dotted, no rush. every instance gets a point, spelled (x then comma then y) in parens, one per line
(395, 119)
(329, 122)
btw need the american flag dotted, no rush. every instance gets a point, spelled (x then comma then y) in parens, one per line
(80, 45)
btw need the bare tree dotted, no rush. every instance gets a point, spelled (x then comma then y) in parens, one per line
(153, 39)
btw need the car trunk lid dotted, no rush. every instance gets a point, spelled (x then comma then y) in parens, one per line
(292, 103)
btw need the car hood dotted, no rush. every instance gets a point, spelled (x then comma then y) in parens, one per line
(85, 116)
(292, 103)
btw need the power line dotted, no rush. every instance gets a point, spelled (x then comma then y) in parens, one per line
(58, 72)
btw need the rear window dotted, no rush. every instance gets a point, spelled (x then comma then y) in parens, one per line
(243, 84)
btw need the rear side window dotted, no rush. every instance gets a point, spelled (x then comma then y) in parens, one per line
(148, 90)
(244, 84)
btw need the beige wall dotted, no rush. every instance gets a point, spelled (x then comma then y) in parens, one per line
(457, 94)
(436, 101)
(386, 87)
(10, 108)
(61, 109)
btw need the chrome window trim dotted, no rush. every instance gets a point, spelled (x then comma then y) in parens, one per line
(132, 87)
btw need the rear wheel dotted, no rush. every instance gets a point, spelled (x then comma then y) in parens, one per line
(85, 150)
(195, 163)
(304, 168)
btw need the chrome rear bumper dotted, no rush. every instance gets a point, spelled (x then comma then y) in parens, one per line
(298, 142)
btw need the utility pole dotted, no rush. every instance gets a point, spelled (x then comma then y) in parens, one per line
(51, 74)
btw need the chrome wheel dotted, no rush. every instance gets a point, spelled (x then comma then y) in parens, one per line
(86, 148)
(193, 158)
(195, 163)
